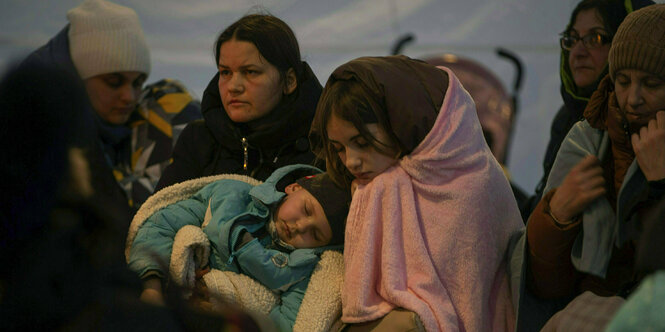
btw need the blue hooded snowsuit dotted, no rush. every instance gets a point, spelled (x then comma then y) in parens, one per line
(224, 209)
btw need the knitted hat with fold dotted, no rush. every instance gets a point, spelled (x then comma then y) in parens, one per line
(334, 200)
(105, 37)
(640, 42)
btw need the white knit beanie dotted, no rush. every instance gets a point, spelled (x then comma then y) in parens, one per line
(105, 37)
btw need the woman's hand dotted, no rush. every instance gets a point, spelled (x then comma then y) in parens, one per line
(583, 184)
(649, 147)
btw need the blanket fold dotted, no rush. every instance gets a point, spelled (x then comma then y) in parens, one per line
(431, 234)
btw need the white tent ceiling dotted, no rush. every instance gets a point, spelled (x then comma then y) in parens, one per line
(181, 34)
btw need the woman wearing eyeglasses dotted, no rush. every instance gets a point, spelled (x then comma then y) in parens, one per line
(581, 236)
(585, 44)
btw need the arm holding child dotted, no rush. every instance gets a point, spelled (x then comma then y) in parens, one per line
(152, 247)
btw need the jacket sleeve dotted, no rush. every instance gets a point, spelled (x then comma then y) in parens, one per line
(551, 273)
(561, 125)
(284, 315)
(151, 250)
(276, 270)
(189, 155)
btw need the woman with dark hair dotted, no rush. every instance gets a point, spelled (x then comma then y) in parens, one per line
(257, 109)
(585, 44)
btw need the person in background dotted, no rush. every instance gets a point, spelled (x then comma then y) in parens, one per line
(582, 235)
(585, 44)
(257, 109)
(104, 47)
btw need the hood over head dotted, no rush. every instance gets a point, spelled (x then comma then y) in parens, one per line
(272, 190)
(409, 91)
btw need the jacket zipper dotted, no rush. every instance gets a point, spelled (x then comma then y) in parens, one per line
(245, 154)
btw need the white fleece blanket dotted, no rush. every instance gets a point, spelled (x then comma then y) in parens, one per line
(321, 306)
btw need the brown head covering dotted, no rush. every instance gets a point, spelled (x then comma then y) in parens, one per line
(410, 91)
(640, 42)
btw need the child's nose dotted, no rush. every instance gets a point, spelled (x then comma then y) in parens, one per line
(352, 161)
(302, 225)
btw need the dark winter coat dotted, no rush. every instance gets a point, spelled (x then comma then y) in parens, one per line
(217, 145)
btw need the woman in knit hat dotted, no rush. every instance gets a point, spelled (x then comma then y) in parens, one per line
(581, 236)
(585, 44)
(103, 44)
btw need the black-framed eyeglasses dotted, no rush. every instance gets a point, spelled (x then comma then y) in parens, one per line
(590, 41)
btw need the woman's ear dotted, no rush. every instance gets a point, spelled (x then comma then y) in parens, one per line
(293, 187)
(290, 82)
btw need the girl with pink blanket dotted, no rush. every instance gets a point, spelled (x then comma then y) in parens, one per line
(432, 212)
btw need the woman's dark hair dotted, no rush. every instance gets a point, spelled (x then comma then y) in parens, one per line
(273, 38)
(347, 99)
(610, 12)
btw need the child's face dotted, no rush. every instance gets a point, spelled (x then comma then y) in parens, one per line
(300, 220)
(355, 152)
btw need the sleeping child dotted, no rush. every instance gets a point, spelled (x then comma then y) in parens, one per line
(273, 232)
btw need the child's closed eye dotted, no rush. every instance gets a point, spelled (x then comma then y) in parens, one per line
(362, 143)
(306, 209)
(337, 148)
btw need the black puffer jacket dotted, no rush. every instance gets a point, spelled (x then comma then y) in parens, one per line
(217, 145)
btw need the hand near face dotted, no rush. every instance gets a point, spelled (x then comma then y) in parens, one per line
(649, 147)
(583, 184)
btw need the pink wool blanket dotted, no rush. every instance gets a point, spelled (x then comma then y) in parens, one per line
(430, 234)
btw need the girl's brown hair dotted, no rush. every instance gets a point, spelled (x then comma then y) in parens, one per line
(349, 101)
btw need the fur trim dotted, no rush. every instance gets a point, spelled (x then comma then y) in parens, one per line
(227, 287)
(171, 194)
(322, 304)
(191, 249)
